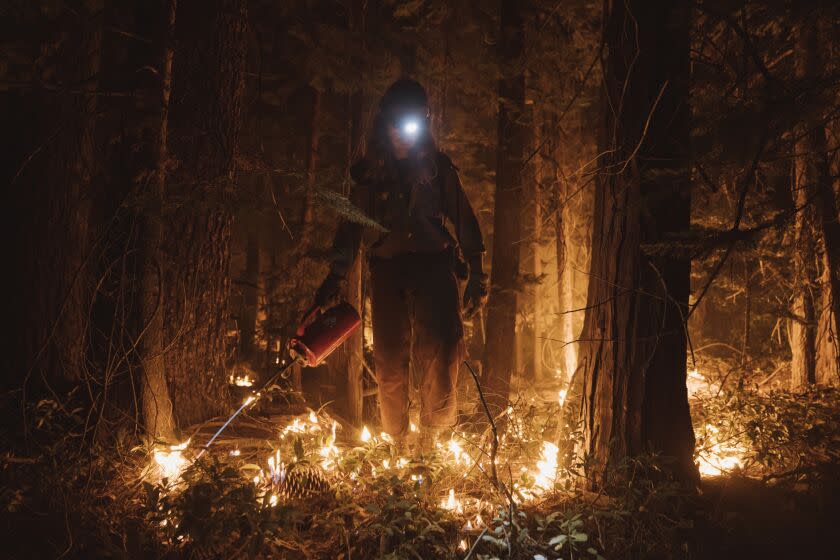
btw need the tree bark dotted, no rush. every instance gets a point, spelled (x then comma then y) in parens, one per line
(207, 96)
(634, 345)
(352, 356)
(250, 293)
(58, 244)
(531, 255)
(158, 418)
(813, 178)
(512, 134)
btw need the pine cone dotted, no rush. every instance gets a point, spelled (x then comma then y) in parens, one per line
(304, 480)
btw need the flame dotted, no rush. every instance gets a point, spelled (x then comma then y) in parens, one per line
(451, 503)
(312, 417)
(459, 454)
(698, 385)
(561, 397)
(365, 437)
(171, 461)
(329, 450)
(547, 467)
(462, 545)
(273, 500)
(276, 469)
(412, 426)
(721, 456)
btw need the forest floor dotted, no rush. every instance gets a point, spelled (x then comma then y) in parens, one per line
(301, 485)
(752, 519)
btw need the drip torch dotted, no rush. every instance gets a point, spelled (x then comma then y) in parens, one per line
(318, 336)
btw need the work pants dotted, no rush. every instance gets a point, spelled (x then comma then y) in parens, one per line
(416, 321)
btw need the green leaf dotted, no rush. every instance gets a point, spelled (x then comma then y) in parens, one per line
(558, 540)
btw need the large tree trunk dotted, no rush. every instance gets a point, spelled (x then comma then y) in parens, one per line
(250, 294)
(158, 418)
(54, 183)
(208, 84)
(512, 134)
(635, 399)
(813, 178)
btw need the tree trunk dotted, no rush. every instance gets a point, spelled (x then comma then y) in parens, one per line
(512, 134)
(250, 294)
(207, 94)
(353, 350)
(634, 350)
(813, 177)
(158, 416)
(531, 256)
(60, 177)
(308, 215)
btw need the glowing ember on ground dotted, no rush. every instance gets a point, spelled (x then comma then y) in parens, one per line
(299, 426)
(366, 436)
(171, 461)
(241, 381)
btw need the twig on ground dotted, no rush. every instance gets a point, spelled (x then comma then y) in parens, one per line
(494, 443)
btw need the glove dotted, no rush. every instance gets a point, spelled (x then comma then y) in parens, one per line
(329, 294)
(475, 294)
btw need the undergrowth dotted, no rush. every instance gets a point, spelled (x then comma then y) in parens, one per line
(66, 495)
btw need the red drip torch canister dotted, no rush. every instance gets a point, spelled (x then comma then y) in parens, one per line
(321, 333)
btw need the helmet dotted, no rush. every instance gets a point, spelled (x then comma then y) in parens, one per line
(406, 106)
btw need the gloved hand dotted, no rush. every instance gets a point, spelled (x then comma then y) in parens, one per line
(329, 294)
(475, 294)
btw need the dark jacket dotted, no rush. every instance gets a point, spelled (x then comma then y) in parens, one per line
(412, 200)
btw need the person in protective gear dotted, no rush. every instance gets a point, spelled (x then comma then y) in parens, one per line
(410, 188)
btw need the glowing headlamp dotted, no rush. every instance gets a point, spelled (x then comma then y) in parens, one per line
(411, 126)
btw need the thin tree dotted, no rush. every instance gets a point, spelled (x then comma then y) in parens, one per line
(158, 418)
(634, 342)
(512, 137)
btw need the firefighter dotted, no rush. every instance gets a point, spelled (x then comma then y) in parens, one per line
(410, 188)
